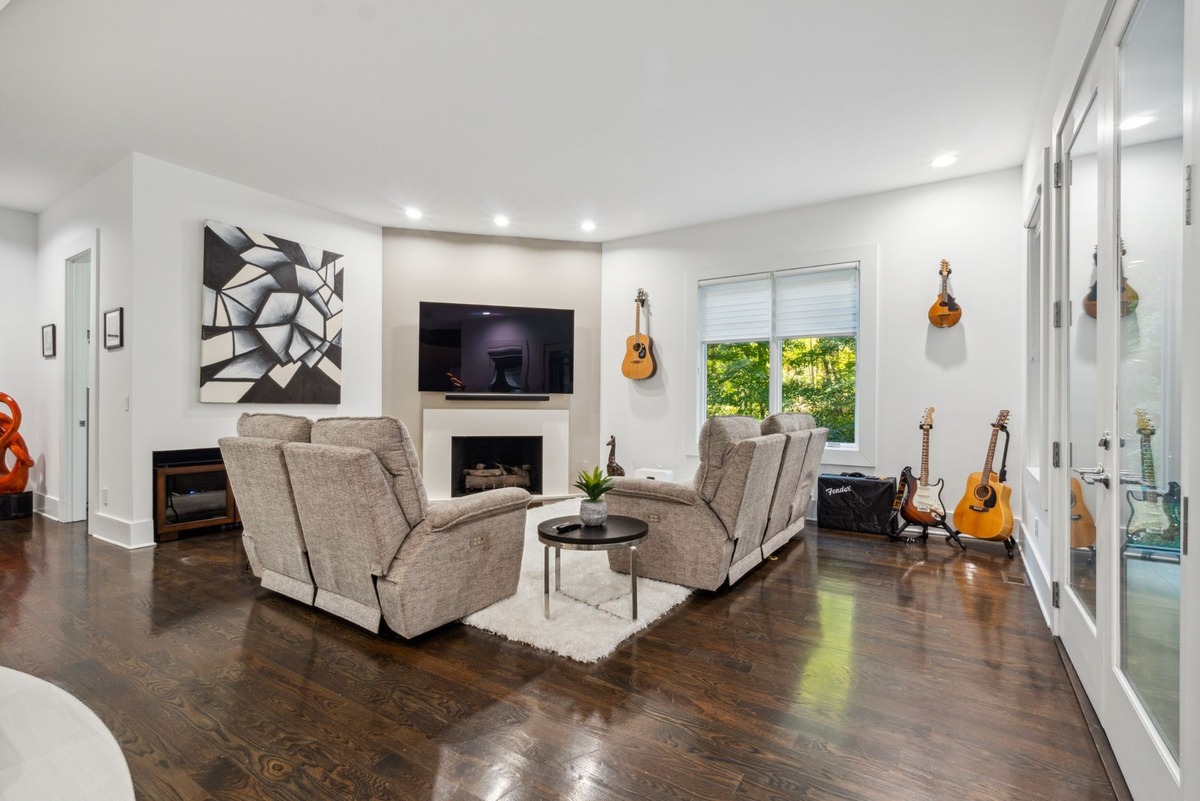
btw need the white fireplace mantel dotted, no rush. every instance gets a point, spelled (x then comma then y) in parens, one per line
(439, 426)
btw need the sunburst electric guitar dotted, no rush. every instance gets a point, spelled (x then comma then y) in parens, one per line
(1153, 514)
(923, 501)
(985, 510)
(639, 350)
(945, 311)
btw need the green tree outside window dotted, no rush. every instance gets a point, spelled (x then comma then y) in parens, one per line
(819, 378)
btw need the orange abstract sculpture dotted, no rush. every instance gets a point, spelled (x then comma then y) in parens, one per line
(12, 480)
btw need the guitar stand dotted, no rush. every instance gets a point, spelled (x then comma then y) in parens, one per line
(951, 535)
(1010, 544)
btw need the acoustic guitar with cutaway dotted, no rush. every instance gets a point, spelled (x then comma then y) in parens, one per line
(639, 350)
(1129, 296)
(945, 311)
(1083, 525)
(985, 510)
(923, 502)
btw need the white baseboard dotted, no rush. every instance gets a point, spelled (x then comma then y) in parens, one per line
(47, 506)
(122, 533)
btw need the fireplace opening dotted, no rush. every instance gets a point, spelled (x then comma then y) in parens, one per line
(483, 463)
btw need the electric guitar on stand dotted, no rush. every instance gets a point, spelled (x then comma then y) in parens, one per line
(923, 504)
(920, 502)
(639, 350)
(985, 510)
(945, 311)
(1153, 515)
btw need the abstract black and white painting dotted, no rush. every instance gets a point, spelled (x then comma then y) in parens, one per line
(272, 328)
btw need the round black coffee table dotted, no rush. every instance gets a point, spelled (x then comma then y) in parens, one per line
(615, 533)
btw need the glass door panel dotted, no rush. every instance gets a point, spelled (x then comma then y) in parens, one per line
(1083, 215)
(1150, 170)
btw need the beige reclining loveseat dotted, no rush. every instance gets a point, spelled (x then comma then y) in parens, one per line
(797, 476)
(711, 532)
(380, 548)
(270, 526)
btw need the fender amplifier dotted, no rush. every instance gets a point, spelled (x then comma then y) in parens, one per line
(854, 502)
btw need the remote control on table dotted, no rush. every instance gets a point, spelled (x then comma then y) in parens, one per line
(562, 528)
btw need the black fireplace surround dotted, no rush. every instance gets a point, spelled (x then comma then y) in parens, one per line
(509, 453)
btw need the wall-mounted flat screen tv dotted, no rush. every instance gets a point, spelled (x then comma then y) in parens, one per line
(499, 349)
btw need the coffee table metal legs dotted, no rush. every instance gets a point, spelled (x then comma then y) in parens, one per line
(558, 578)
(633, 578)
(546, 576)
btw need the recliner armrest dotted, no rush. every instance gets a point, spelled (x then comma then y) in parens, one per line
(668, 491)
(456, 511)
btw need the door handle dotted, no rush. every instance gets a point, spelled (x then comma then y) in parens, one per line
(1092, 475)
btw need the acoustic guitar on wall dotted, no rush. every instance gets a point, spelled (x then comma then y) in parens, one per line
(985, 511)
(923, 501)
(1129, 295)
(639, 350)
(945, 311)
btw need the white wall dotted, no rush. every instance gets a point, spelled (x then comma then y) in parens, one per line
(20, 329)
(162, 317)
(98, 216)
(150, 216)
(511, 271)
(968, 372)
(1080, 21)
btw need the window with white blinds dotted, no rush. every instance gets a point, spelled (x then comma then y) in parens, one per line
(783, 341)
(815, 301)
(736, 310)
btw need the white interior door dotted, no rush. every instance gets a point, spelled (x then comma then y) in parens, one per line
(78, 365)
(1123, 290)
(1084, 357)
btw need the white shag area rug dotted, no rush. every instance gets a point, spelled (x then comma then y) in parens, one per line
(589, 618)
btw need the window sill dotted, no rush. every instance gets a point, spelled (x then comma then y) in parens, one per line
(845, 457)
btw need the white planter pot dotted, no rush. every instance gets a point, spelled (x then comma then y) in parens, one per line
(593, 513)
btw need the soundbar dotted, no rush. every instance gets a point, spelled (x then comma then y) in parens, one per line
(495, 396)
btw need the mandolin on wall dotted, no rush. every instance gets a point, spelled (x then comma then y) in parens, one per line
(945, 311)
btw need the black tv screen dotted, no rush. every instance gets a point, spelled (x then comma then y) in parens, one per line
(501, 349)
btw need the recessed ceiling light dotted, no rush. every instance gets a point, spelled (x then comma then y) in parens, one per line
(412, 213)
(1139, 121)
(944, 160)
(500, 220)
(588, 225)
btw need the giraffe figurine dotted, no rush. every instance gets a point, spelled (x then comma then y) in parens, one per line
(614, 469)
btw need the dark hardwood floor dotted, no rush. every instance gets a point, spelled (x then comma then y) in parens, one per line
(850, 668)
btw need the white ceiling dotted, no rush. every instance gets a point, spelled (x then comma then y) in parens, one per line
(643, 115)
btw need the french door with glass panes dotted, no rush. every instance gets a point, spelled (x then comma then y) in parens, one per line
(1126, 448)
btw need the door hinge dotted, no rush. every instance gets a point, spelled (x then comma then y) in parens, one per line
(1054, 595)
(1187, 195)
(1054, 455)
(1058, 314)
(1183, 526)
(1058, 175)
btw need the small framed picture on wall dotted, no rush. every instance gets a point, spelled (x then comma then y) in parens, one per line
(48, 341)
(114, 328)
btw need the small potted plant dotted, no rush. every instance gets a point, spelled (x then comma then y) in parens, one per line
(594, 510)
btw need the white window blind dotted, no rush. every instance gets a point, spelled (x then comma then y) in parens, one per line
(736, 311)
(817, 302)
